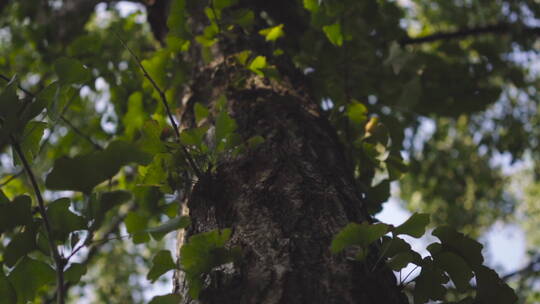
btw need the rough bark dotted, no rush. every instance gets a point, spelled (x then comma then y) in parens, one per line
(284, 201)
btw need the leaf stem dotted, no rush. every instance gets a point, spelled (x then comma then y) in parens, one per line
(165, 104)
(58, 260)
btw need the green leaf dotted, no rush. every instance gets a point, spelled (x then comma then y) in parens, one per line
(28, 277)
(84, 172)
(106, 202)
(176, 22)
(157, 172)
(150, 141)
(221, 4)
(272, 33)
(74, 273)
(169, 226)
(3, 200)
(358, 235)
(8, 294)
(357, 112)
(20, 245)
(166, 299)
(429, 283)
(333, 33)
(401, 260)
(16, 213)
(135, 116)
(491, 289)
(255, 141)
(71, 71)
(9, 101)
(201, 254)
(30, 139)
(415, 226)
(257, 65)
(135, 225)
(311, 5)
(225, 126)
(62, 220)
(193, 137)
(161, 264)
(201, 112)
(456, 242)
(456, 267)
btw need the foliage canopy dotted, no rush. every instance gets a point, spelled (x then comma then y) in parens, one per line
(427, 95)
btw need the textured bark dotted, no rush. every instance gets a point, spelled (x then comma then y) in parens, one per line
(284, 201)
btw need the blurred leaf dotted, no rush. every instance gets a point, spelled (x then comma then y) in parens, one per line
(333, 33)
(62, 220)
(272, 33)
(201, 254)
(135, 116)
(135, 225)
(257, 65)
(456, 267)
(84, 172)
(201, 112)
(415, 226)
(20, 245)
(169, 226)
(166, 299)
(161, 264)
(30, 139)
(358, 235)
(7, 292)
(16, 213)
(357, 112)
(429, 283)
(28, 276)
(74, 273)
(491, 289)
(71, 71)
(456, 242)
(225, 126)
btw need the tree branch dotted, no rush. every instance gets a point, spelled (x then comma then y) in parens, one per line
(529, 268)
(58, 260)
(163, 97)
(499, 28)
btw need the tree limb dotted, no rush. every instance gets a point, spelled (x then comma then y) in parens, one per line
(500, 28)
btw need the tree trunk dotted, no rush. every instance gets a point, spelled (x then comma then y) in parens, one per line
(284, 200)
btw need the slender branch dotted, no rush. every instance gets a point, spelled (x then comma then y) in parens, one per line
(81, 134)
(58, 260)
(115, 224)
(529, 268)
(62, 117)
(11, 178)
(471, 31)
(407, 276)
(165, 104)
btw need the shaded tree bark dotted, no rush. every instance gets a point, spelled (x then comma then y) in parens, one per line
(284, 200)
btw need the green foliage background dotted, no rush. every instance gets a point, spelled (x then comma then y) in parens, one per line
(97, 136)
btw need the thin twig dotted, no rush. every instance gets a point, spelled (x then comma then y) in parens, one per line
(62, 117)
(81, 134)
(58, 260)
(407, 276)
(165, 104)
(94, 249)
(11, 178)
